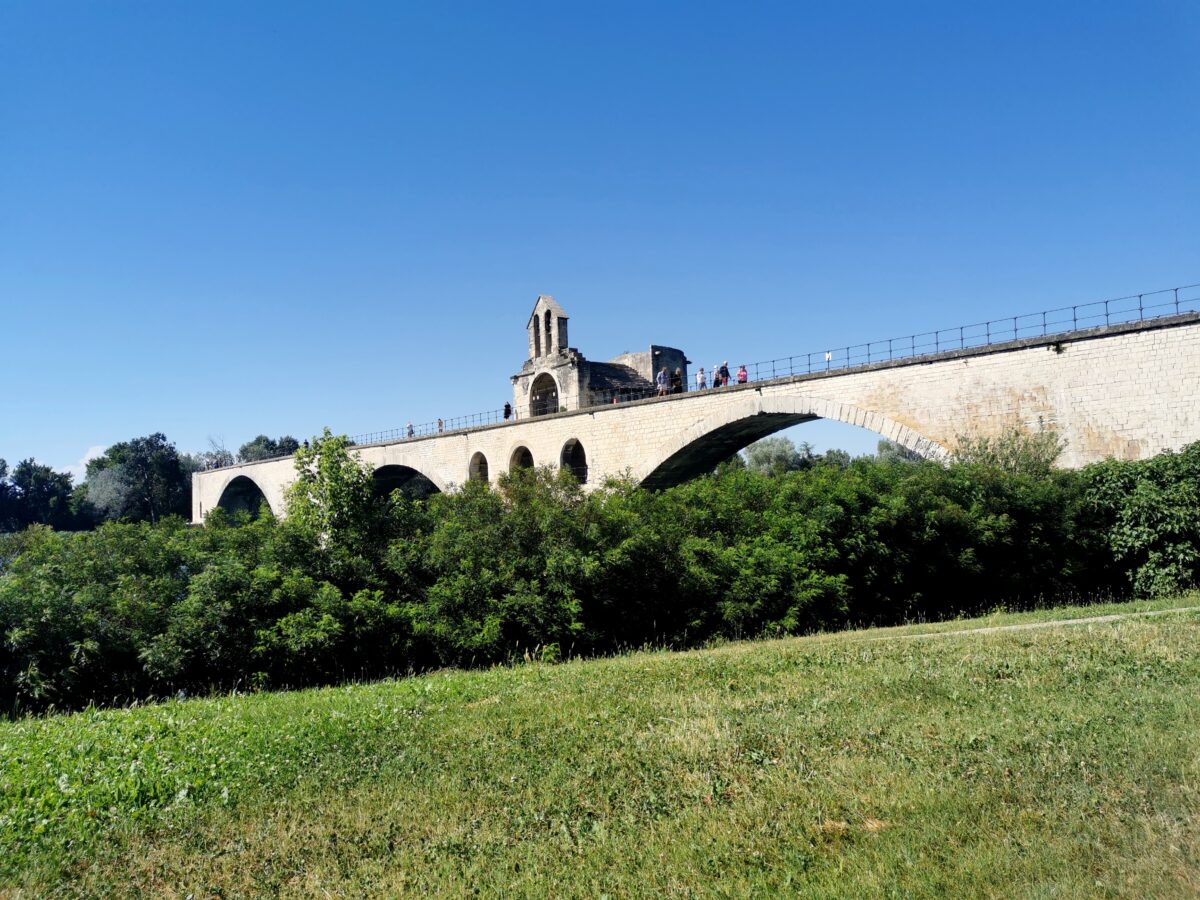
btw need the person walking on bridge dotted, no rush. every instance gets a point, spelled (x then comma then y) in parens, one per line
(742, 376)
(701, 381)
(725, 374)
(662, 381)
(677, 382)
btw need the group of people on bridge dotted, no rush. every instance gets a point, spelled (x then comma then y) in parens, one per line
(721, 376)
(673, 383)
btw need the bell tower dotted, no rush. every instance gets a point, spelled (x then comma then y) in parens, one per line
(547, 328)
(549, 380)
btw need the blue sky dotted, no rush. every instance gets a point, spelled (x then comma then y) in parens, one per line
(221, 219)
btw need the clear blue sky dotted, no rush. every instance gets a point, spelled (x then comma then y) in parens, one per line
(220, 219)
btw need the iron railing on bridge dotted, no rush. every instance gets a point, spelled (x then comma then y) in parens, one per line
(425, 429)
(1048, 323)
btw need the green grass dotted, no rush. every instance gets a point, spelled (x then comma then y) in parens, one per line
(1001, 617)
(1059, 762)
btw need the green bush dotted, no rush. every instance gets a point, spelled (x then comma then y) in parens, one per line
(1150, 513)
(352, 584)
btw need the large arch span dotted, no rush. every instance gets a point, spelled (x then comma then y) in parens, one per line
(734, 426)
(413, 483)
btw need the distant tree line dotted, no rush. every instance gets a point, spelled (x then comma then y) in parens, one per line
(139, 480)
(353, 583)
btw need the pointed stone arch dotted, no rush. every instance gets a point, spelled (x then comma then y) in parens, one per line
(738, 424)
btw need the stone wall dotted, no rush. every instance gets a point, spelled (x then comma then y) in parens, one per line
(648, 362)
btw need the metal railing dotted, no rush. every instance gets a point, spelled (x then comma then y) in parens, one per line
(426, 429)
(1050, 323)
(1064, 320)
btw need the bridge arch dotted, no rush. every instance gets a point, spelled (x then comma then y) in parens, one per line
(477, 468)
(242, 494)
(521, 458)
(738, 424)
(409, 481)
(573, 458)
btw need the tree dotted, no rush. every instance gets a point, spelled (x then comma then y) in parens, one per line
(141, 479)
(34, 494)
(263, 447)
(1015, 451)
(333, 497)
(8, 501)
(45, 495)
(835, 457)
(776, 455)
(108, 492)
(208, 459)
(891, 452)
(215, 457)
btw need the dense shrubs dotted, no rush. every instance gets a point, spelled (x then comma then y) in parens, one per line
(352, 584)
(1148, 514)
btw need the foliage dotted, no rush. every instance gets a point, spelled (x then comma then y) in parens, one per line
(263, 447)
(215, 458)
(142, 479)
(8, 501)
(34, 494)
(890, 451)
(354, 583)
(776, 455)
(1014, 450)
(1150, 512)
(332, 500)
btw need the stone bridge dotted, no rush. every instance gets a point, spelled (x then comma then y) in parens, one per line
(1126, 391)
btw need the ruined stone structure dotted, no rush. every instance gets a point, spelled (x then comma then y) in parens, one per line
(1126, 391)
(558, 378)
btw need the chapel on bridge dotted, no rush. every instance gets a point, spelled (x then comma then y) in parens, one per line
(557, 377)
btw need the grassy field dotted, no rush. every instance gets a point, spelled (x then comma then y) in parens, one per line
(1002, 617)
(1061, 762)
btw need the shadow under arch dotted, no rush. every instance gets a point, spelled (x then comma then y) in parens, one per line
(698, 449)
(242, 494)
(413, 484)
(574, 459)
(477, 469)
(521, 458)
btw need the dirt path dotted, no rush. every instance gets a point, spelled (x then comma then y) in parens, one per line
(1027, 626)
